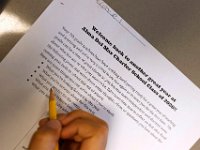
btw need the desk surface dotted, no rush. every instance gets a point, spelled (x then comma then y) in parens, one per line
(172, 27)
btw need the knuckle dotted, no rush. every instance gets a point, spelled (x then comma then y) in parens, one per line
(104, 127)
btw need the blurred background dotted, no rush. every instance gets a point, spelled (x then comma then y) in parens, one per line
(172, 27)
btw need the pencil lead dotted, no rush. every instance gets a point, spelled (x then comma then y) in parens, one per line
(52, 95)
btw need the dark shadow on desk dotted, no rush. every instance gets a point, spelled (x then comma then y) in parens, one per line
(27, 11)
(3, 4)
(8, 41)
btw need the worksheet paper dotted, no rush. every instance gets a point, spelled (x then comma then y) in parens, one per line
(96, 62)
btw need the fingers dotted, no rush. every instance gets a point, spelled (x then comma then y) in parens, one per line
(90, 134)
(84, 128)
(76, 114)
(46, 137)
(79, 129)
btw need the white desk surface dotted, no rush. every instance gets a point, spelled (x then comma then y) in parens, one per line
(172, 27)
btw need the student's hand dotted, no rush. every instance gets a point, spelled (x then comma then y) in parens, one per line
(83, 131)
(80, 131)
(47, 136)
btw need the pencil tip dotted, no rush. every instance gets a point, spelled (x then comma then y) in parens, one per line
(52, 95)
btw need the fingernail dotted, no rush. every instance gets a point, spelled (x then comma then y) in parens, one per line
(53, 124)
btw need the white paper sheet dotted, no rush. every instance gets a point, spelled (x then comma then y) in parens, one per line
(98, 63)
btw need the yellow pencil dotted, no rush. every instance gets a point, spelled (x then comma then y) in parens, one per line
(52, 109)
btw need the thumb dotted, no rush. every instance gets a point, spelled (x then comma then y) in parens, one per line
(46, 137)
